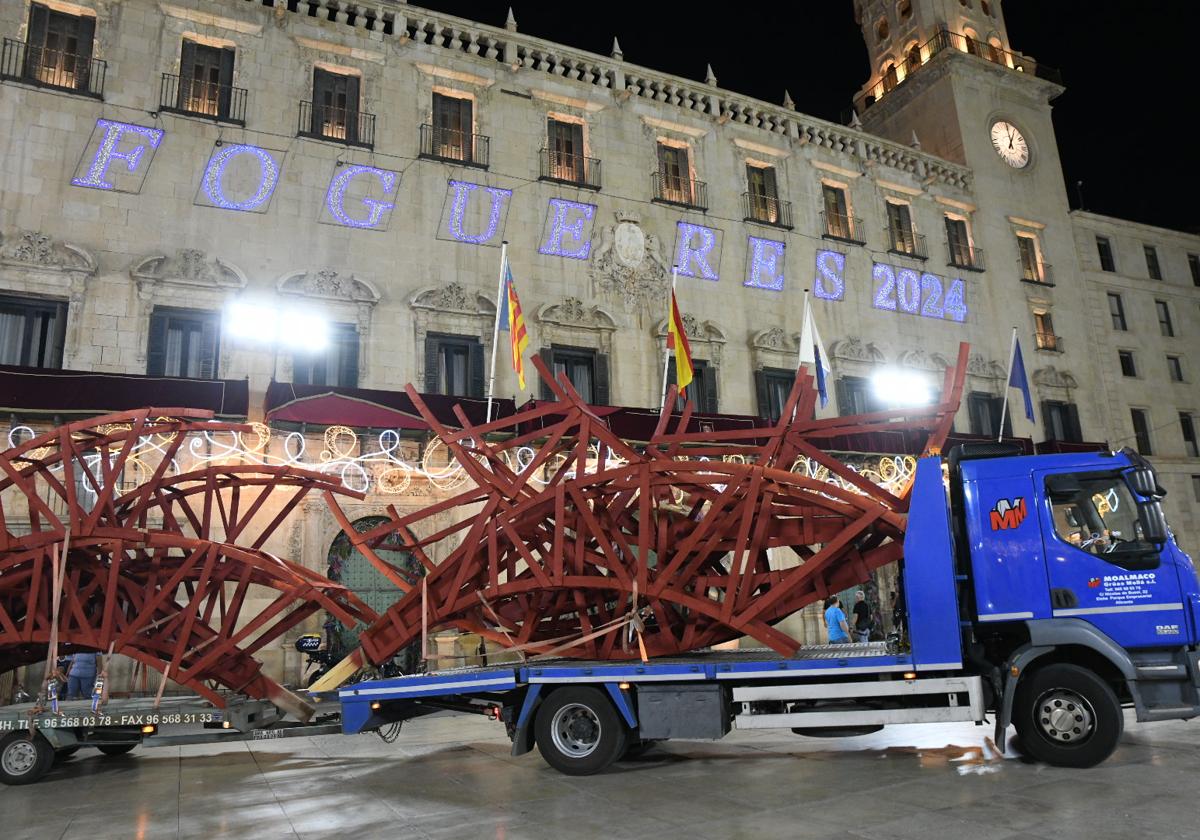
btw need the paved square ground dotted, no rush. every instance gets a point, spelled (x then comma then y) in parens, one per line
(452, 777)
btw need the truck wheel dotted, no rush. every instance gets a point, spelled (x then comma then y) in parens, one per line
(24, 760)
(116, 749)
(66, 752)
(578, 731)
(1067, 716)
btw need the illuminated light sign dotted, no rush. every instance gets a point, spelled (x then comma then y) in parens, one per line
(118, 141)
(906, 290)
(765, 257)
(463, 210)
(242, 164)
(370, 188)
(697, 251)
(569, 226)
(830, 282)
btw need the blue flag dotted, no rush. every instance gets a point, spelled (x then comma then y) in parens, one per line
(1018, 379)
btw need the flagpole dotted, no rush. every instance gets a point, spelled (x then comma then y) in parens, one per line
(496, 329)
(662, 401)
(800, 358)
(1012, 354)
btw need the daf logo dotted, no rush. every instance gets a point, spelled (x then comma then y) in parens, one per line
(1166, 629)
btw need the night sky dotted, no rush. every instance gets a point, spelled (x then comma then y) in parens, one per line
(1124, 125)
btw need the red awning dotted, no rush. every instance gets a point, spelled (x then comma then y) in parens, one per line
(322, 405)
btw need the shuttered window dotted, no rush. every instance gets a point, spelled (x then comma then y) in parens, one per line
(586, 369)
(335, 105)
(900, 228)
(454, 365)
(205, 79)
(1061, 420)
(674, 173)
(31, 332)
(958, 243)
(764, 193)
(183, 342)
(1141, 430)
(565, 147)
(336, 365)
(772, 386)
(58, 50)
(452, 127)
(702, 390)
(984, 414)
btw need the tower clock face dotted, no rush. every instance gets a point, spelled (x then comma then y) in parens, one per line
(1010, 144)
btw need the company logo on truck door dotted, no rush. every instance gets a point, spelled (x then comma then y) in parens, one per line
(1008, 514)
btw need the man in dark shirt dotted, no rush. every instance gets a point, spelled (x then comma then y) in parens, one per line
(862, 617)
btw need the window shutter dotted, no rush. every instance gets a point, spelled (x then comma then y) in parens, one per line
(39, 19)
(478, 386)
(226, 91)
(353, 91)
(762, 394)
(1047, 419)
(845, 408)
(708, 375)
(547, 354)
(1074, 433)
(156, 350)
(770, 186)
(662, 162)
(600, 389)
(432, 386)
(321, 95)
(210, 340)
(348, 359)
(187, 69)
(576, 150)
(86, 34)
(465, 125)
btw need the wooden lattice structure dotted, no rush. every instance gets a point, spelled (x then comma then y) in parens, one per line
(154, 564)
(567, 536)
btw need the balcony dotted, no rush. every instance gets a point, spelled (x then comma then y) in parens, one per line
(1041, 273)
(48, 68)
(1049, 342)
(906, 243)
(842, 227)
(455, 146)
(681, 192)
(943, 41)
(966, 257)
(201, 98)
(580, 171)
(766, 210)
(341, 125)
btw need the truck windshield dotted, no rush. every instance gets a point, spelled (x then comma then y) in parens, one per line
(1098, 514)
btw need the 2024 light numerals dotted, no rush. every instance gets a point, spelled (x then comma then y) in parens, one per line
(907, 290)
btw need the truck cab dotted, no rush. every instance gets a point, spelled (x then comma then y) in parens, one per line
(1077, 595)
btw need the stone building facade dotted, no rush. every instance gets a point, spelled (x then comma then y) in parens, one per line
(364, 161)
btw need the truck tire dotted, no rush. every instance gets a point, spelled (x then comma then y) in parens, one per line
(66, 752)
(1067, 716)
(24, 760)
(116, 749)
(578, 732)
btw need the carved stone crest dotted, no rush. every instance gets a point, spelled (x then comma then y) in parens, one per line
(921, 360)
(1052, 377)
(189, 267)
(630, 263)
(34, 248)
(977, 365)
(854, 349)
(453, 297)
(573, 313)
(328, 284)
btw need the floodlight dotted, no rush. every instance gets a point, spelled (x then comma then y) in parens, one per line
(900, 388)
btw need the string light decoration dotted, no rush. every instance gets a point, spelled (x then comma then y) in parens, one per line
(693, 261)
(905, 290)
(766, 264)
(577, 231)
(830, 282)
(212, 182)
(335, 197)
(108, 151)
(462, 192)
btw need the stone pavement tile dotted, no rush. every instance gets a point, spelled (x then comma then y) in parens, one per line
(782, 823)
(945, 823)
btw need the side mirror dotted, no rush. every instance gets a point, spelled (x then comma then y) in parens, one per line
(1144, 482)
(1153, 522)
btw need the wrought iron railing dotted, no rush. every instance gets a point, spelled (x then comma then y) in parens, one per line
(685, 192)
(570, 169)
(342, 125)
(906, 242)
(202, 98)
(964, 255)
(451, 144)
(766, 209)
(1048, 341)
(1041, 272)
(841, 227)
(51, 68)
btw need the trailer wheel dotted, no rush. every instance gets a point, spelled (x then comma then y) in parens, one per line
(578, 731)
(24, 760)
(116, 749)
(1067, 716)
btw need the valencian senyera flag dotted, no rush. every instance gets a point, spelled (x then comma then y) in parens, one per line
(677, 341)
(512, 320)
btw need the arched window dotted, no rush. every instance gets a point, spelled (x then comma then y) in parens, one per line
(995, 50)
(904, 10)
(889, 76)
(912, 58)
(971, 42)
(882, 30)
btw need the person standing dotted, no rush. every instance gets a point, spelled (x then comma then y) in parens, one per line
(862, 618)
(835, 622)
(81, 674)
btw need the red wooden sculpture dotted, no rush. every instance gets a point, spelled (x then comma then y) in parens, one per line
(569, 536)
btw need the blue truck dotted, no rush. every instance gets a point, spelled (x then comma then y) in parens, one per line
(1045, 591)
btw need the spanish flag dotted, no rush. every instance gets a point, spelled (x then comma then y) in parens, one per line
(677, 341)
(512, 320)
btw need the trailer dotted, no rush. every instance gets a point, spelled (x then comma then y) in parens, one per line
(1045, 591)
(33, 737)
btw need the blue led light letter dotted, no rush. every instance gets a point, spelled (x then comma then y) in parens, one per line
(213, 181)
(694, 246)
(110, 150)
(569, 220)
(766, 264)
(462, 196)
(335, 198)
(830, 282)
